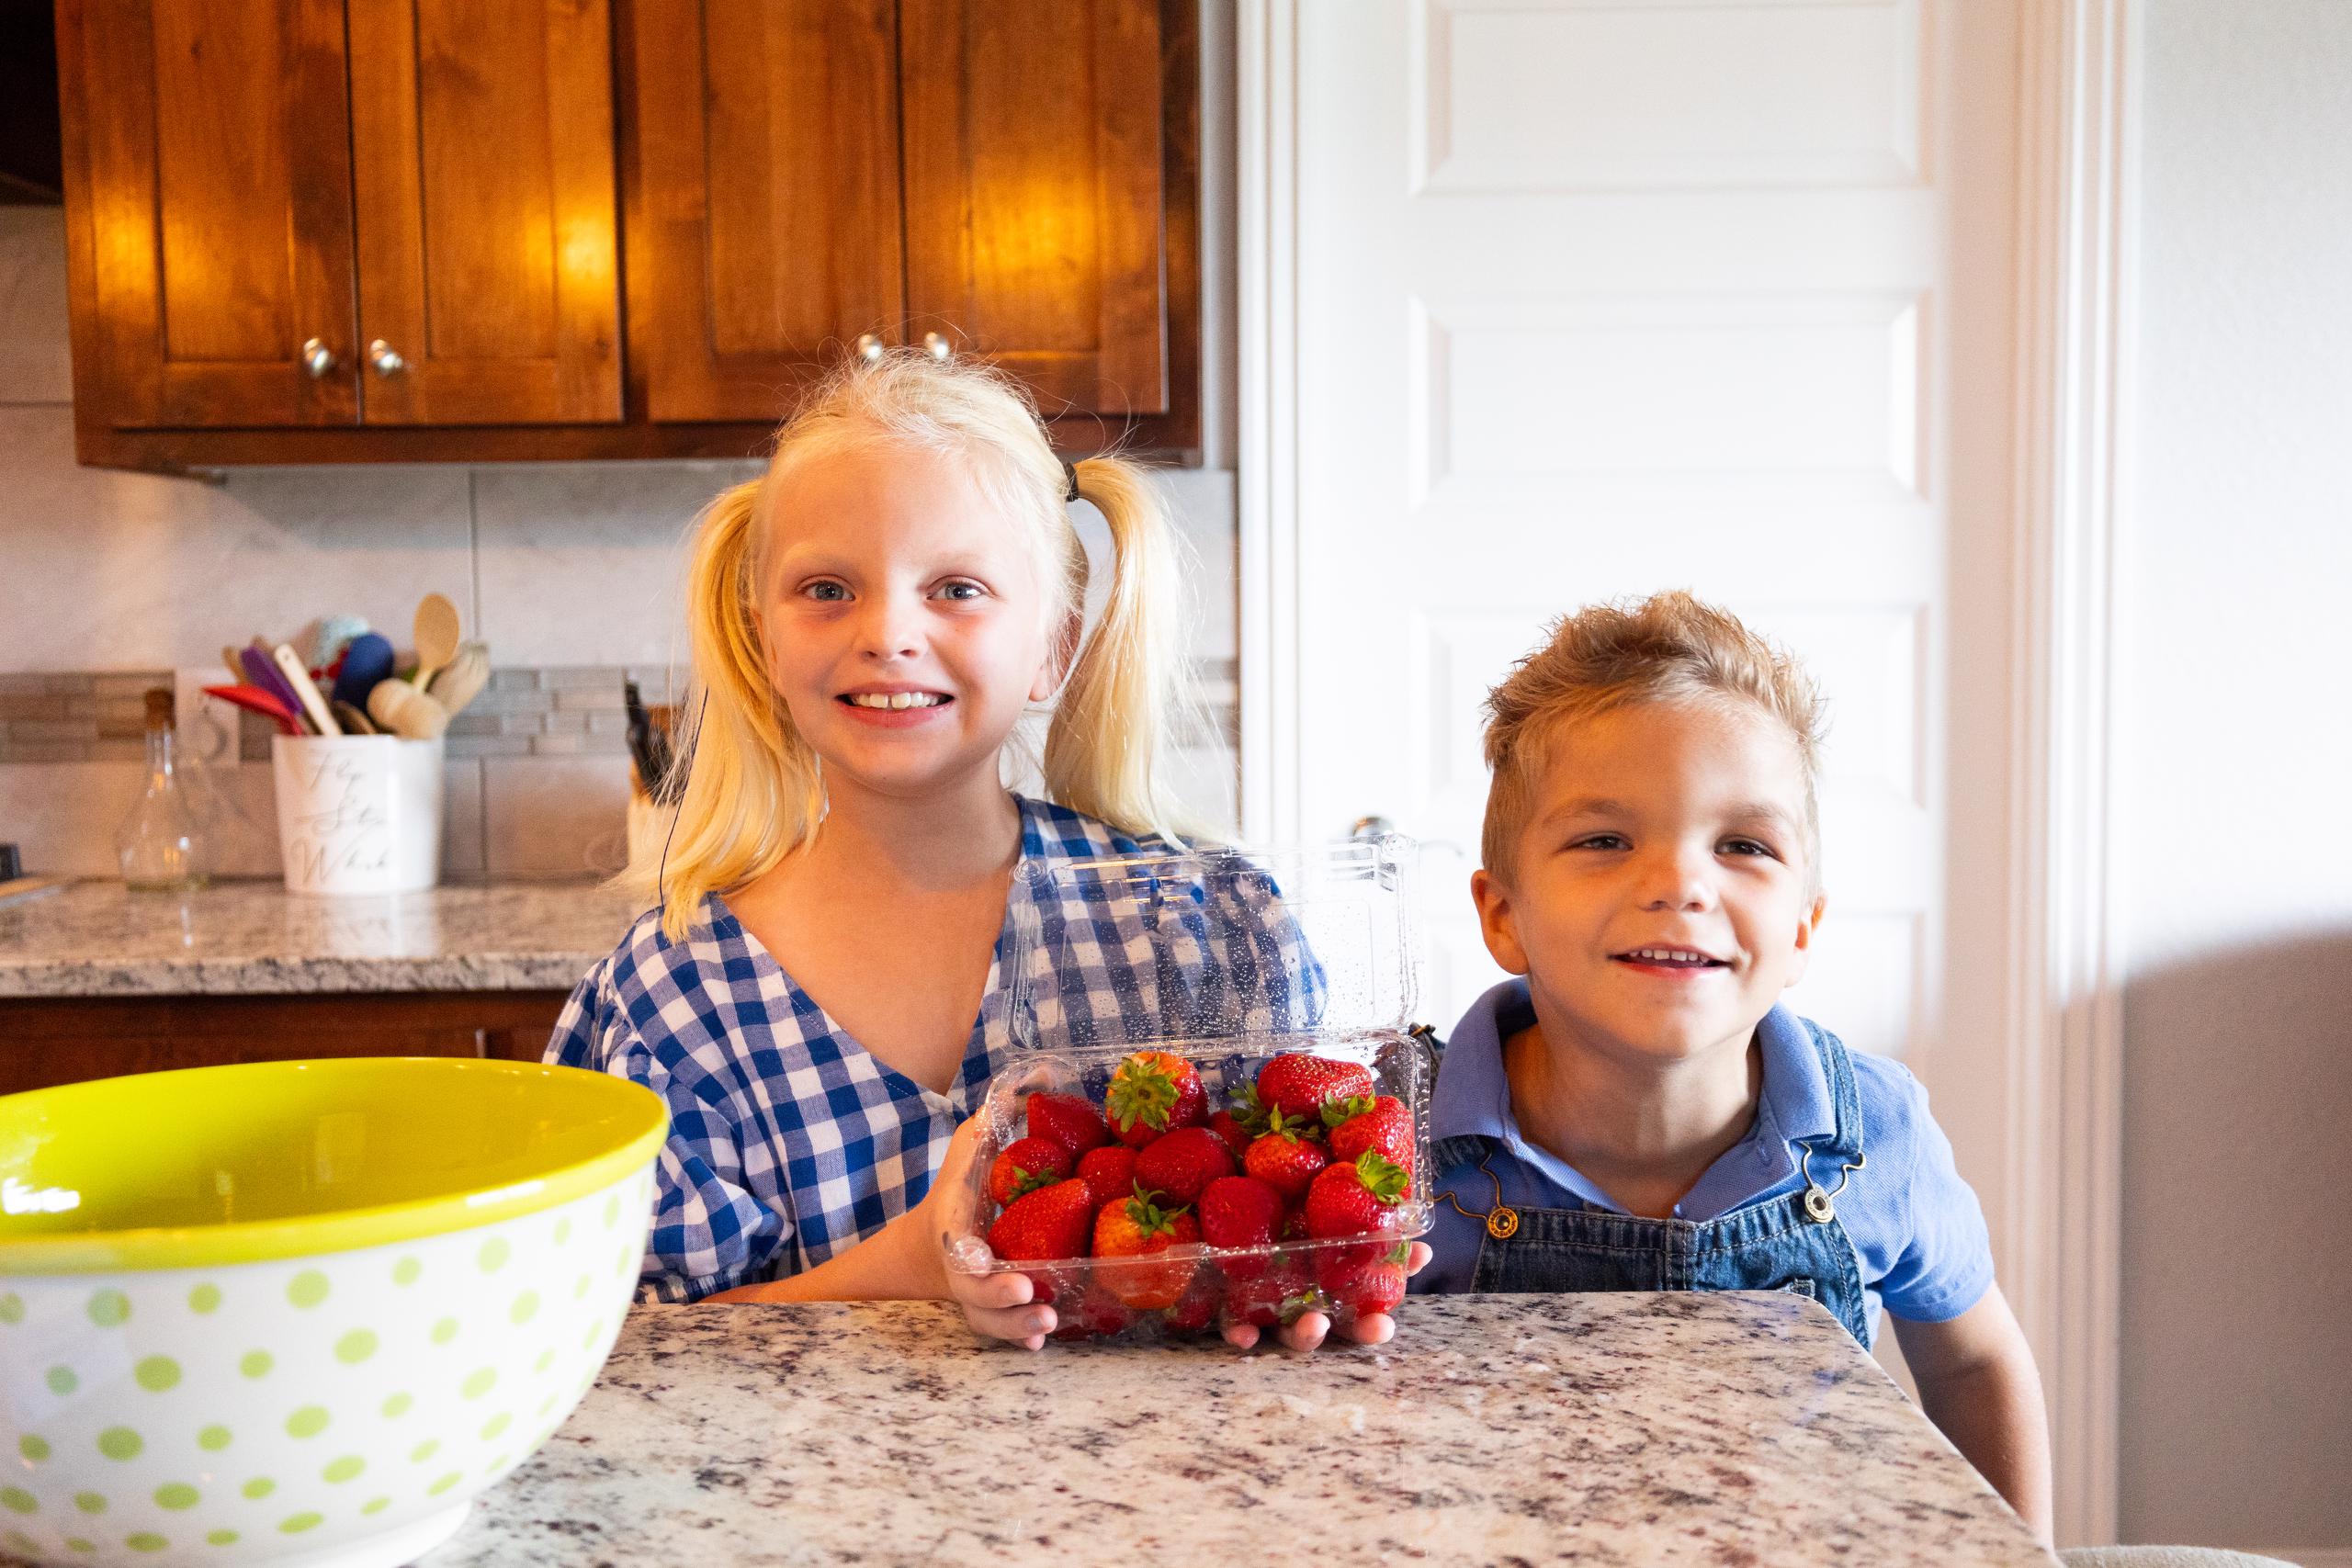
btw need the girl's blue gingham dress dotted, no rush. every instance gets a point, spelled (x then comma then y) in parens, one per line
(789, 1143)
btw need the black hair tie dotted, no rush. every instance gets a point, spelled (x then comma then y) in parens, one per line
(1071, 469)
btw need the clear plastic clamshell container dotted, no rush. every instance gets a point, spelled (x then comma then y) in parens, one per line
(1226, 959)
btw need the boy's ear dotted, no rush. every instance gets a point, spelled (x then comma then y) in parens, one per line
(1497, 920)
(1059, 656)
(1808, 923)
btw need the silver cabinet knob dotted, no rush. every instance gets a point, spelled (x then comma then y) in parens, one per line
(1370, 827)
(938, 347)
(317, 357)
(385, 359)
(869, 348)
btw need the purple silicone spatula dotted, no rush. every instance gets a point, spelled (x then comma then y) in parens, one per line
(261, 670)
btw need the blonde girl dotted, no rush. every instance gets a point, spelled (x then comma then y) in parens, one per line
(818, 993)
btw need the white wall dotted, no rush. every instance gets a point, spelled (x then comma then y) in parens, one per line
(2237, 1247)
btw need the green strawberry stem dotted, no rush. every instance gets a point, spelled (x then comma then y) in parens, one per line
(1148, 1216)
(1290, 1127)
(1145, 1096)
(1383, 1178)
(1336, 1111)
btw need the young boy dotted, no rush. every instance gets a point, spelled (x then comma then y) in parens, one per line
(1638, 1114)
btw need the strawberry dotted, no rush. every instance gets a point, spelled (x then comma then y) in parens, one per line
(1151, 1093)
(1197, 1306)
(1097, 1311)
(1068, 1120)
(1140, 1228)
(1350, 1200)
(1109, 1172)
(1233, 1129)
(1275, 1297)
(1297, 1085)
(1026, 1164)
(1356, 1199)
(1182, 1163)
(1286, 1157)
(1044, 1226)
(1240, 1211)
(1381, 1124)
(1366, 1285)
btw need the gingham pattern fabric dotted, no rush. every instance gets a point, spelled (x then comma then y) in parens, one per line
(789, 1143)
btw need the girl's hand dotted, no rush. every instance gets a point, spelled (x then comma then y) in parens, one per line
(998, 1306)
(1312, 1327)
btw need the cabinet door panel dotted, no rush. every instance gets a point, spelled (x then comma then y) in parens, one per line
(207, 146)
(1033, 192)
(483, 165)
(768, 158)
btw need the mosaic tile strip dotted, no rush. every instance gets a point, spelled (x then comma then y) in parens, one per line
(555, 711)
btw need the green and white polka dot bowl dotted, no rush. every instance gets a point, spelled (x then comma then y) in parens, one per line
(302, 1313)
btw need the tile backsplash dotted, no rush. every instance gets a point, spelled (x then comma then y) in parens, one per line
(111, 581)
(536, 775)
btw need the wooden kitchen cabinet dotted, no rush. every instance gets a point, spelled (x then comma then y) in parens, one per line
(483, 182)
(350, 231)
(305, 213)
(51, 1041)
(205, 151)
(1033, 190)
(767, 235)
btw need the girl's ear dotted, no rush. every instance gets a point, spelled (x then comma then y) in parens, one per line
(1059, 655)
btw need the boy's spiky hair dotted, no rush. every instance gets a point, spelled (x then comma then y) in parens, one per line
(1668, 647)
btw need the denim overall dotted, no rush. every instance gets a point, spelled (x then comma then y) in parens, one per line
(1793, 1242)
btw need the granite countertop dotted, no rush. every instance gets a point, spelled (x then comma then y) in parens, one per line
(1604, 1429)
(97, 939)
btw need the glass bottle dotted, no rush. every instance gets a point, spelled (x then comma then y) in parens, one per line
(161, 844)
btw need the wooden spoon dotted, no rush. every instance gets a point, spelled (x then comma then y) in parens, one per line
(436, 637)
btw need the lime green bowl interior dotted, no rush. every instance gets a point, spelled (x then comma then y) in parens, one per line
(278, 1159)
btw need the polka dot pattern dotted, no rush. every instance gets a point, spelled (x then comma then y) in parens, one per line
(198, 1412)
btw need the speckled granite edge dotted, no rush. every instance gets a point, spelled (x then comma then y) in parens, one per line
(96, 939)
(312, 976)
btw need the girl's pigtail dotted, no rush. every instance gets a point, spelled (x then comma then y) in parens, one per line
(751, 789)
(1122, 702)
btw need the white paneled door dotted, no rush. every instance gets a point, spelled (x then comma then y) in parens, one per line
(1573, 300)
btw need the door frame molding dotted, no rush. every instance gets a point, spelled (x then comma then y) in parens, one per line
(2077, 155)
(1266, 188)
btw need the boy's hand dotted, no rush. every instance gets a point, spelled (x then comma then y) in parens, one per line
(1313, 1327)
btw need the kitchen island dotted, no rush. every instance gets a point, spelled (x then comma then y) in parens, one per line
(1607, 1429)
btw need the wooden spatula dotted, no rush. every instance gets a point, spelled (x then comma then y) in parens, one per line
(436, 637)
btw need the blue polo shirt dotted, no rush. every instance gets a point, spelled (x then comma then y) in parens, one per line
(1913, 1222)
